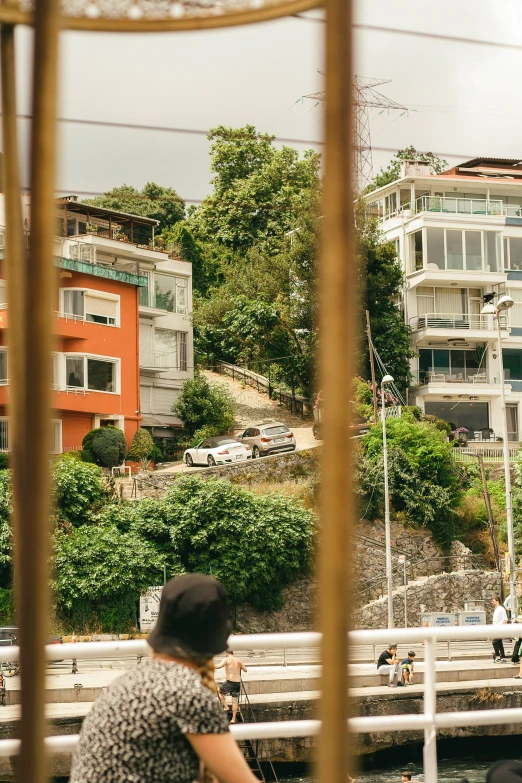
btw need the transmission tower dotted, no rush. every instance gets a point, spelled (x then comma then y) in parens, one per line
(364, 97)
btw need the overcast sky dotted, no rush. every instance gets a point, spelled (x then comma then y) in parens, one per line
(462, 99)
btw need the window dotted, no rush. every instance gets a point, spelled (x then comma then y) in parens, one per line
(101, 310)
(56, 436)
(454, 250)
(457, 249)
(454, 365)
(163, 399)
(3, 367)
(4, 434)
(73, 303)
(95, 308)
(165, 293)
(473, 415)
(515, 314)
(416, 252)
(513, 253)
(84, 372)
(473, 241)
(512, 364)
(512, 421)
(435, 240)
(145, 399)
(183, 351)
(166, 344)
(75, 371)
(493, 261)
(181, 295)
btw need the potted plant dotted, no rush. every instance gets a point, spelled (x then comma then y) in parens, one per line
(91, 228)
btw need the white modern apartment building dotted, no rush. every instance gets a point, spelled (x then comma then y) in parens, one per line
(458, 236)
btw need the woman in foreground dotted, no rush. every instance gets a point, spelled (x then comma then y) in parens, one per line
(162, 721)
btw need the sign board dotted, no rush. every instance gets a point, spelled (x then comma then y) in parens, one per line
(149, 608)
(472, 618)
(437, 619)
(474, 606)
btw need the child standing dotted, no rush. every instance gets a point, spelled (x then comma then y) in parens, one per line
(408, 667)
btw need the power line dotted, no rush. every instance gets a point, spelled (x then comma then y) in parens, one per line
(165, 129)
(420, 34)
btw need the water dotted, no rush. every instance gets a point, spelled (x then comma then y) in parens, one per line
(450, 771)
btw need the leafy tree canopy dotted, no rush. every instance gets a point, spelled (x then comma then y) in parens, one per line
(105, 446)
(78, 490)
(201, 403)
(152, 201)
(424, 483)
(258, 191)
(392, 171)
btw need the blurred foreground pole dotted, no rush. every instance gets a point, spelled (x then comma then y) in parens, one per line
(30, 281)
(337, 326)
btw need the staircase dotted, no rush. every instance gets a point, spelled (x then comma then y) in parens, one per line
(255, 752)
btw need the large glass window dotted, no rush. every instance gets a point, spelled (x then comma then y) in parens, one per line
(472, 415)
(415, 252)
(435, 241)
(164, 289)
(100, 310)
(513, 253)
(454, 250)
(512, 364)
(166, 346)
(73, 303)
(3, 366)
(183, 351)
(492, 245)
(101, 375)
(75, 371)
(451, 366)
(515, 314)
(473, 250)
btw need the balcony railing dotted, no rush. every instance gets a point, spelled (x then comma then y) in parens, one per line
(158, 301)
(75, 249)
(476, 377)
(455, 321)
(454, 206)
(156, 360)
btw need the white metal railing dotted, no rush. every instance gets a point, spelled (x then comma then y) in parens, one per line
(393, 412)
(75, 249)
(455, 321)
(451, 205)
(429, 720)
(423, 377)
(489, 454)
(68, 316)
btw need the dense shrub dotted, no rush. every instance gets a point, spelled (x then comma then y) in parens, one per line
(78, 490)
(424, 483)
(254, 544)
(105, 446)
(202, 404)
(142, 445)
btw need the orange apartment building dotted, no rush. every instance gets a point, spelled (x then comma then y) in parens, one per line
(105, 264)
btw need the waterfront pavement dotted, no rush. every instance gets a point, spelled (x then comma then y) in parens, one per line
(275, 684)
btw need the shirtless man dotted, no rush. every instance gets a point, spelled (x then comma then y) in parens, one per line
(232, 685)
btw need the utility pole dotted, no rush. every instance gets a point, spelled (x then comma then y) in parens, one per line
(487, 500)
(372, 367)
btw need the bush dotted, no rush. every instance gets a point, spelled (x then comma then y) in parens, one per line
(255, 545)
(424, 482)
(4, 460)
(78, 490)
(105, 446)
(142, 445)
(202, 404)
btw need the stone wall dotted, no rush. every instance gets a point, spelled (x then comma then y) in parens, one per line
(279, 467)
(440, 593)
(297, 614)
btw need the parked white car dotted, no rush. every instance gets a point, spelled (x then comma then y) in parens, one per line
(217, 451)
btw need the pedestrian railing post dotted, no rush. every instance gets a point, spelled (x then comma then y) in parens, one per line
(430, 709)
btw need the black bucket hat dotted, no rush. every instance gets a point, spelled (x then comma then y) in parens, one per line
(193, 618)
(505, 772)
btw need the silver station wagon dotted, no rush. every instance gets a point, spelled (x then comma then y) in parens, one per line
(269, 438)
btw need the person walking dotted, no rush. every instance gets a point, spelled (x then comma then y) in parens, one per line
(232, 685)
(389, 664)
(499, 618)
(161, 721)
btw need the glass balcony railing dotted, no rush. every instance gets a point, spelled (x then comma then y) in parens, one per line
(158, 301)
(451, 206)
(159, 360)
(456, 376)
(455, 321)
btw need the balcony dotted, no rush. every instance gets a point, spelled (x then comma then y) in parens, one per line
(450, 205)
(460, 384)
(156, 362)
(437, 324)
(154, 305)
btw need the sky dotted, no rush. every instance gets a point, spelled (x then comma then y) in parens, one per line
(463, 100)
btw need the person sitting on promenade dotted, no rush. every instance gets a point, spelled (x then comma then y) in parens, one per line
(232, 685)
(161, 721)
(389, 664)
(408, 668)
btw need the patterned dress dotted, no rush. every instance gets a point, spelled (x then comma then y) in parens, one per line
(135, 731)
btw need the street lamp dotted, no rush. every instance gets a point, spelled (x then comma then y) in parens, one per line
(387, 531)
(504, 303)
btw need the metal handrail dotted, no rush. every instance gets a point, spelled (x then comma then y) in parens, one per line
(253, 720)
(455, 321)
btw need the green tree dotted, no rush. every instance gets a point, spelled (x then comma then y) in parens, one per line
(255, 545)
(258, 191)
(152, 201)
(141, 446)
(424, 482)
(392, 172)
(380, 281)
(106, 446)
(205, 266)
(78, 490)
(203, 404)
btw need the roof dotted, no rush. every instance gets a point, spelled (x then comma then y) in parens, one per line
(73, 205)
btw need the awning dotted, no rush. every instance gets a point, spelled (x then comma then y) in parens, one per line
(160, 421)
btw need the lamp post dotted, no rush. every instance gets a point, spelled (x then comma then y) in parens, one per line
(387, 531)
(504, 303)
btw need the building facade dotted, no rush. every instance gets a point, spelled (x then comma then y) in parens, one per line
(121, 322)
(458, 236)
